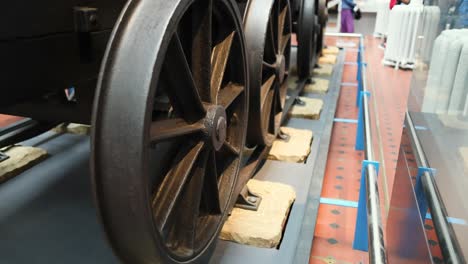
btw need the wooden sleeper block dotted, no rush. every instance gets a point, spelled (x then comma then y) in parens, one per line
(311, 109)
(332, 50)
(323, 70)
(21, 159)
(296, 149)
(73, 128)
(327, 59)
(318, 86)
(292, 82)
(264, 227)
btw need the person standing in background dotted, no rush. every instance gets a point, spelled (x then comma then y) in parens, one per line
(347, 17)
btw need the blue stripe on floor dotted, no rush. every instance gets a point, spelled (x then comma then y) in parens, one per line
(339, 202)
(349, 84)
(345, 120)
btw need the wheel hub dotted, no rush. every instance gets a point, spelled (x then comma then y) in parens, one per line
(280, 67)
(216, 125)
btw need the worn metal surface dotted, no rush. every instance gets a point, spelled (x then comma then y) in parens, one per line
(164, 195)
(306, 38)
(267, 26)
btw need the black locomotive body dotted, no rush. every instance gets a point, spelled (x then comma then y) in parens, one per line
(50, 56)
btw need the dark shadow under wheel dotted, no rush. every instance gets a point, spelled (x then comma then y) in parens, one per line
(169, 126)
(306, 38)
(267, 26)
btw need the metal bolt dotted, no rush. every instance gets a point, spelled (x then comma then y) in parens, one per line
(252, 199)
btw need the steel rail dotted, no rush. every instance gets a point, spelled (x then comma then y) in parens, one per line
(447, 240)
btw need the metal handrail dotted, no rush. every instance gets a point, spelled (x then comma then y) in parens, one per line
(377, 252)
(450, 248)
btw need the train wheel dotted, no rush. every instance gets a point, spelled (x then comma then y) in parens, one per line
(306, 38)
(267, 27)
(170, 121)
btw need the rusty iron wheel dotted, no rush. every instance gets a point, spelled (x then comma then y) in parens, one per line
(170, 121)
(306, 38)
(267, 27)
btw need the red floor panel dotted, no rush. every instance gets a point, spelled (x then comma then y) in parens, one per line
(347, 103)
(349, 73)
(343, 169)
(333, 238)
(334, 230)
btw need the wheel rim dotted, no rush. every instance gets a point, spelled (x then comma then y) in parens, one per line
(179, 146)
(306, 38)
(267, 27)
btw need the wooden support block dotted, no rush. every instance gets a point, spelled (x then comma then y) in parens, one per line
(331, 50)
(319, 86)
(292, 82)
(264, 227)
(72, 128)
(327, 59)
(21, 159)
(296, 149)
(323, 70)
(311, 109)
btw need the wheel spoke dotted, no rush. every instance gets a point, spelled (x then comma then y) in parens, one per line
(281, 95)
(173, 185)
(272, 114)
(267, 109)
(210, 193)
(171, 128)
(228, 94)
(190, 207)
(269, 65)
(219, 60)
(266, 87)
(273, 36)
(201, 47)
(281, 22)
(182, 91)
(285, 39)
(228, 147)
(275, 24)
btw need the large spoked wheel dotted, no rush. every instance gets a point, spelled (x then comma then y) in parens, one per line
(169, 128)
(322, 11)
(267, 26)
(306, 38)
